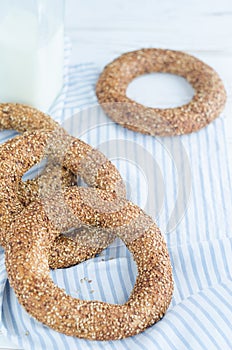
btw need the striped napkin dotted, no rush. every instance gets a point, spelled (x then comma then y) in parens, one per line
(184, 184)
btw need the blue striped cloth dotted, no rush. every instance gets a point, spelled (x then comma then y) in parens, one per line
(184, 184)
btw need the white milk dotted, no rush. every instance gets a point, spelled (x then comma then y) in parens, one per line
(31, 69)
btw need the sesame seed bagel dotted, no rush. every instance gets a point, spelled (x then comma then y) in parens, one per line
(21, 118)
(17, 156)
(207, 103)
(33, 232)
(28, 190)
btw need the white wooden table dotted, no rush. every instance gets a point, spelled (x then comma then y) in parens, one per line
(101, 30)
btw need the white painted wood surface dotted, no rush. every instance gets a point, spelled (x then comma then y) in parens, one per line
(103, 29)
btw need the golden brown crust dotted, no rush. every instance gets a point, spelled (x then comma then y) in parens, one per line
(19, 155)
(19, 117)
(28, 191)
(33, 242)
(207, 103)
(28, 269)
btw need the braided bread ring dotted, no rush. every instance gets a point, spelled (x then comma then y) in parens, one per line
(28, 269)
(20, 154)
(207, 103)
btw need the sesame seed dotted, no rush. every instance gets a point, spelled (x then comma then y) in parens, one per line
(208, 101)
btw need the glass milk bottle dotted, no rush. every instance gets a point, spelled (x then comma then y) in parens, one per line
(31, 51)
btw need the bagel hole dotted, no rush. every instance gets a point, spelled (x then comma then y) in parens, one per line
(35, 171)
(6, 135)
(81, 182)
(133, 176)
(160, 90)
(109, 277)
